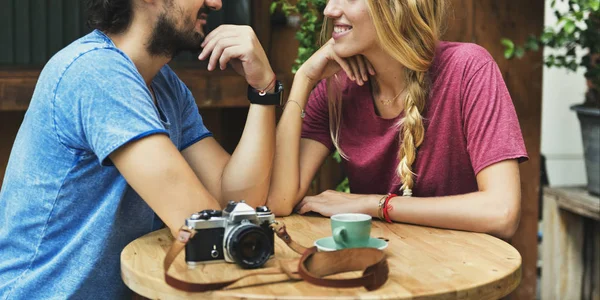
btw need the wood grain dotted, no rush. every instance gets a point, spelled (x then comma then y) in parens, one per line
(212, 90)
(591, 274)
(570, 245)
(9, 125)
(562, 248)
(460, 21)
(576, 200)
(425, 263)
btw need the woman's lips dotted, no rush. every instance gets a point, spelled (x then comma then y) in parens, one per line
(340, 31)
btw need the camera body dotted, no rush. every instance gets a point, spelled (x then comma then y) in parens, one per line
(237, 234)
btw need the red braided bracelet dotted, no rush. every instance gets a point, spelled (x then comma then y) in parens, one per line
(386, 213)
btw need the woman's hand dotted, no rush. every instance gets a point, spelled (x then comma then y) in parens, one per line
(325, 63)
(331, 202)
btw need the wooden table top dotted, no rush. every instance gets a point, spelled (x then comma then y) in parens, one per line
(427, 263)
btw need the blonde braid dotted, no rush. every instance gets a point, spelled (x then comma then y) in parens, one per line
(412, 131)
(408, 30)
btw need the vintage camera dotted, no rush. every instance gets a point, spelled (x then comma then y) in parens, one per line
(237, 234)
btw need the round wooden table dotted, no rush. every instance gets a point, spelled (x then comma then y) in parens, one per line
(425, 263)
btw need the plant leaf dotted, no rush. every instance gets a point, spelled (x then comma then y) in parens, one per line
(273, 7)
(507, 43)
(519, 52)
(569, 26)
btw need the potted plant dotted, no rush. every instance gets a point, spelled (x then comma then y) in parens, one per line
(577, 31)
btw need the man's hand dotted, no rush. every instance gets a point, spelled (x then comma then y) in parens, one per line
(238, 46)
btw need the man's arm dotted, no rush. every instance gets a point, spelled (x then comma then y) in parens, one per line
(160, 175)
(244, 175)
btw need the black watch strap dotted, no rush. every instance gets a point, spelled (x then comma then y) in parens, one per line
(275, 98)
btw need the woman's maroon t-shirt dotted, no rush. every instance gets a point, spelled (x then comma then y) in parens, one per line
(470, 123)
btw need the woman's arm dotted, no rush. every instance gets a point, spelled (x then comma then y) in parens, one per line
(494, 209)
(296, 161)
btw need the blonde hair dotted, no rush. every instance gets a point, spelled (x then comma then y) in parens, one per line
(408, 30)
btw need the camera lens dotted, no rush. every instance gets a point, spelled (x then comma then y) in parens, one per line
(249, 246)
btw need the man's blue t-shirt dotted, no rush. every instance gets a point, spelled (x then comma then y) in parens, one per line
(65, 211)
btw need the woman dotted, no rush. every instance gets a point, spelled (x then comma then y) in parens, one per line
(430, 121)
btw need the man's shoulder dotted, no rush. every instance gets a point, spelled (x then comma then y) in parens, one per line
(91, 52)
(169, 81)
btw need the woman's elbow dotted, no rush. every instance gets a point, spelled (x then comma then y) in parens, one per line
(508, 222)
(279, 207)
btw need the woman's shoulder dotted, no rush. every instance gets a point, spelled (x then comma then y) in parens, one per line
(461, 54)
(461, 61)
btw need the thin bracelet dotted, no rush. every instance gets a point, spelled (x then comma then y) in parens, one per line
(380, 208)
(302, 114)
(264, 91)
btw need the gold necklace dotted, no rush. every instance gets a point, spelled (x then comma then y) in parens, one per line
(388, 102)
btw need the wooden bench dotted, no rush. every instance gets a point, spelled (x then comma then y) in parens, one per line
(570, 244)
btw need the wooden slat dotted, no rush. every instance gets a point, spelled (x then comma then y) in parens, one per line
(216, 89)
(6, 32)
(39, 41)
(562, 247)
(22, 33)
(261, 21)
(54, 28)
(9, 125)
(591, 276)
(16, 89)
(577, 200)
(71, 21)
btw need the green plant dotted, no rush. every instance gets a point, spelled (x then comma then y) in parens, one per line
(310, 12)
(576, 31)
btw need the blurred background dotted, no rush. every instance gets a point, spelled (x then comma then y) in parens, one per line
(559, 235)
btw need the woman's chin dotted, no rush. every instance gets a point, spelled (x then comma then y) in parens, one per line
(344, 51)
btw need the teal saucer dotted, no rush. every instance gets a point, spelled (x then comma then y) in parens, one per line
(328, 244)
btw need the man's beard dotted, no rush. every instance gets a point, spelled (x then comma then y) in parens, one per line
(167, 40)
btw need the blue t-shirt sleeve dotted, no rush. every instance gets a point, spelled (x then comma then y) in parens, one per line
(102, 103)
(193, 129)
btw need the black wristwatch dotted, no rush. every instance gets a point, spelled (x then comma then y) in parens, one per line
(276, 98)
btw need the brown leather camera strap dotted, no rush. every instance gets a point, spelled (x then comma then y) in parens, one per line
(312, 267)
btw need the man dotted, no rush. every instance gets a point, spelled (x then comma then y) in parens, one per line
(112, 137)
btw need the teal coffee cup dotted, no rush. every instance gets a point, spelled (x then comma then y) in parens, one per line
(351, 230)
